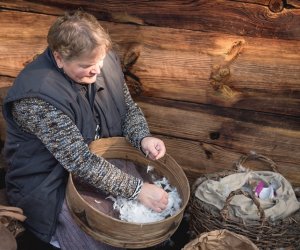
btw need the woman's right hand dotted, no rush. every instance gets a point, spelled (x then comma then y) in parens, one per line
(153, 197)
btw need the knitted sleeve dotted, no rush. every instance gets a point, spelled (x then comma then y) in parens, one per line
(135, 126)
(63, 139)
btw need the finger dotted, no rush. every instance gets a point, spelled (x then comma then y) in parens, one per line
(147, 153)
(163, 206)
(155, 155)
(157, 209)
(156, 149)
(165, 200)
(161, 153)
(150, 155)
(164, 197)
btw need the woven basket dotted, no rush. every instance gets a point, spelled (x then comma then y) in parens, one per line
(263, 233)
(115, 232)
(220, 240)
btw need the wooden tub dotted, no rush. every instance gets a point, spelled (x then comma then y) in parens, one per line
(120, 233)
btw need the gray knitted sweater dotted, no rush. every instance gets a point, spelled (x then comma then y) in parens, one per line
(64, 141)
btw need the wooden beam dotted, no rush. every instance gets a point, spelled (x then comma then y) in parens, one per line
(212, 68)
(235, 130)
(22, 37)
(254, 18)
(209, 68)
(198, 158)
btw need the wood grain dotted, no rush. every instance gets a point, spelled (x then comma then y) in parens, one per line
(256, 18)
(233, 130)
(22, 36)
(215, 79)
(198, 158)
(263, 73)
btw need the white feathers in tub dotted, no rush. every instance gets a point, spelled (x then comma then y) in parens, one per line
(133, 211)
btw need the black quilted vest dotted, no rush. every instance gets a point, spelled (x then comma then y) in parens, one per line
(35, 180)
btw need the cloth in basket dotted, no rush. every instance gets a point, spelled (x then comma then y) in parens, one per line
(282, 205)
(230, 200)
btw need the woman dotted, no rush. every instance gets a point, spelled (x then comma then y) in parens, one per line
(71, 94)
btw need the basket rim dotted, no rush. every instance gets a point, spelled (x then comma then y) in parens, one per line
(124, 142)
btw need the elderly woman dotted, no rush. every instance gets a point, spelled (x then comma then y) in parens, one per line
(70, 95)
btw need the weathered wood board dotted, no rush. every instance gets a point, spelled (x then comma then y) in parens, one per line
(259, 18)
(210, 130)
(197, 158)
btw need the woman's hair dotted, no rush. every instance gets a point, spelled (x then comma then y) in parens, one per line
(77, 33)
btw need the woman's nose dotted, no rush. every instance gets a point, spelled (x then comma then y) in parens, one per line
(97, 68)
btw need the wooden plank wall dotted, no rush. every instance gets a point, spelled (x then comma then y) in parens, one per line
(215, 79)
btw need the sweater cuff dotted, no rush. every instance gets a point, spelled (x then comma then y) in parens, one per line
(137, 190)
(140, 144)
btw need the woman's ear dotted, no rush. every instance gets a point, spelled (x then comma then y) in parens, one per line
(58, 58)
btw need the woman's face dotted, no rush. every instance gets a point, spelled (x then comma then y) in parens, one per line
(84, 69)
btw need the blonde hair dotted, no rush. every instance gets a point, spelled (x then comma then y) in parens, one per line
(77, 33)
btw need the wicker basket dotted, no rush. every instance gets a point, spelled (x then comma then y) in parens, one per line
(263, 233)
(120, 233)
(220, 240)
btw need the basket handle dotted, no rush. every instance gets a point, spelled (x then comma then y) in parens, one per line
(225, 212)
(256, 157)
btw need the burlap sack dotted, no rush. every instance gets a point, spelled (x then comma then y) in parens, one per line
(220, 240)
(281, 206)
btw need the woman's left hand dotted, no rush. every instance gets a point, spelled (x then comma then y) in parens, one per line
(153, 147)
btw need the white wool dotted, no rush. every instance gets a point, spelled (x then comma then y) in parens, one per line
(149, 168)
(133, 211)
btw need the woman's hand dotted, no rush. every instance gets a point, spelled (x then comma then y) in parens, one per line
(153, 147)
(153, 197)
